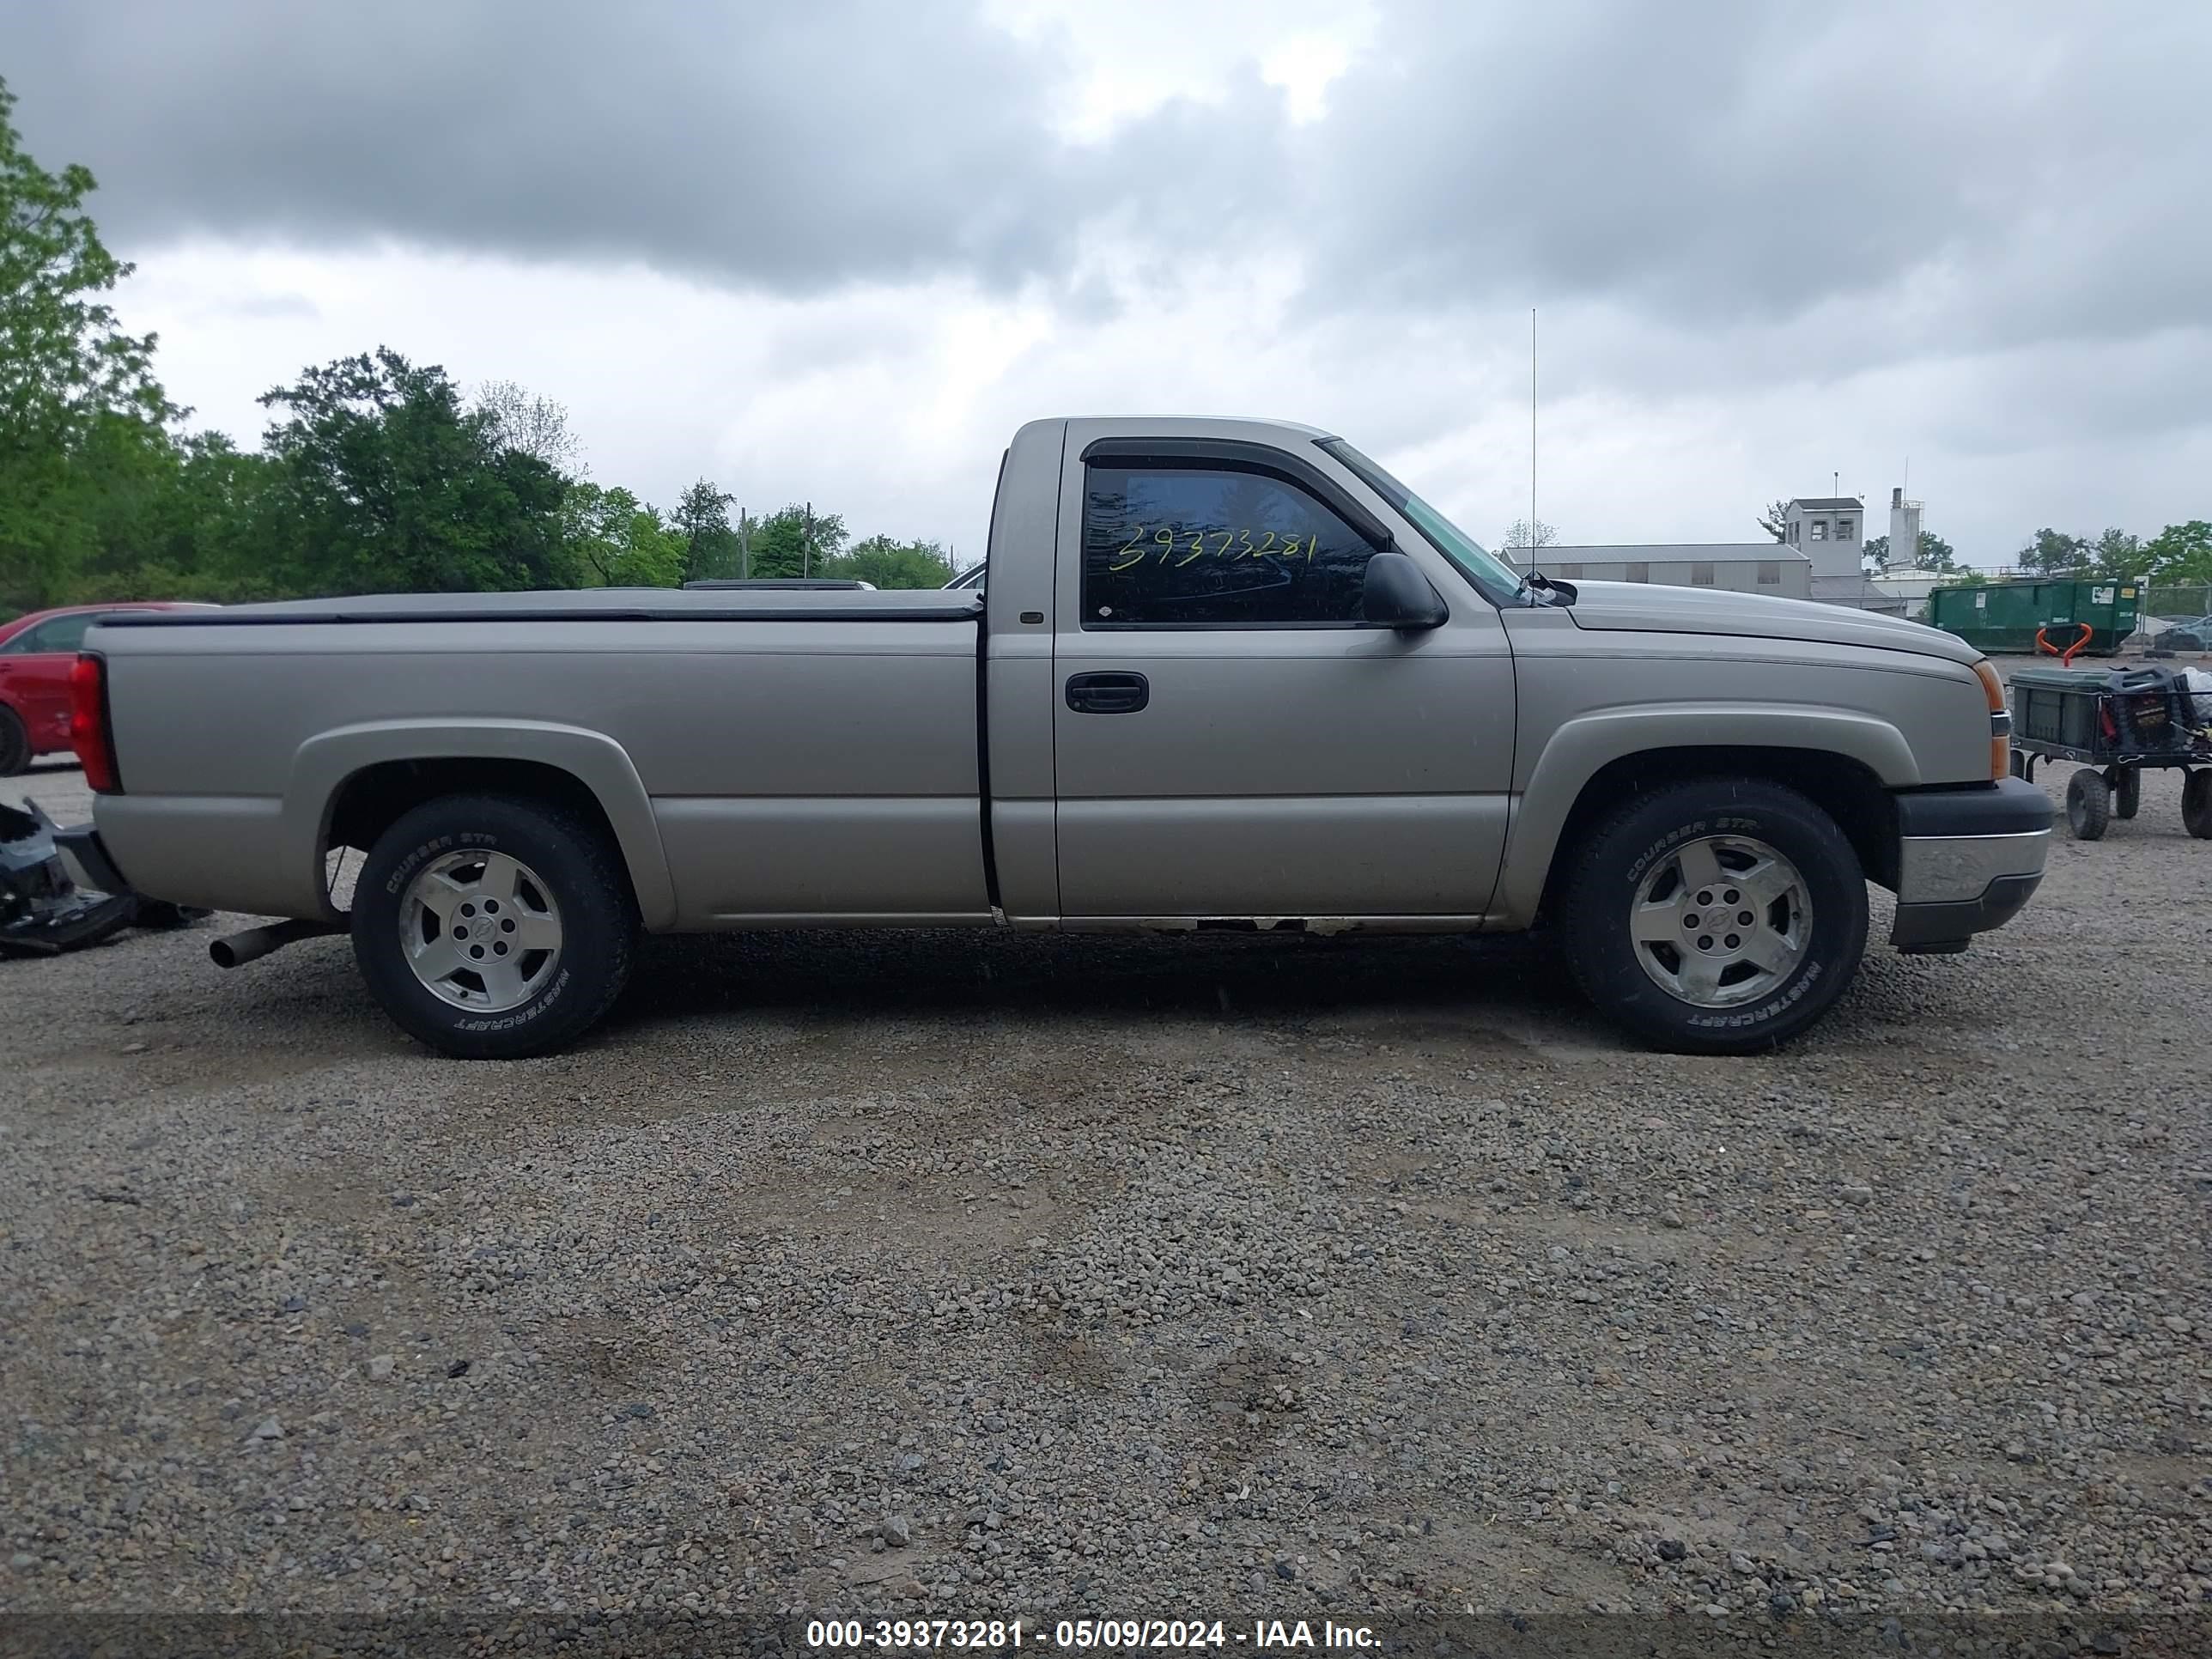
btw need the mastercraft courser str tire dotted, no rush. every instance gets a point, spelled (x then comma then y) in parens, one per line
(1607, 899)
(561, 872)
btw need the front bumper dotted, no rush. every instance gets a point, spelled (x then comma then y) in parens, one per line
(1968, 858)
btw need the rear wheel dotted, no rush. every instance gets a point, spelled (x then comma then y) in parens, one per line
(15, 744)
(491, 926)
(2197, 803)
(1721, 917)
(2089, 806)
(2127, 790)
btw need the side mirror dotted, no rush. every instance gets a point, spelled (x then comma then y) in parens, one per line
(1395, 595)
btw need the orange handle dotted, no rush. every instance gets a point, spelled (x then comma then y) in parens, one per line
(2066, 657)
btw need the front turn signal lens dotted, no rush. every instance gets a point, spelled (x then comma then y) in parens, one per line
(2000, 718)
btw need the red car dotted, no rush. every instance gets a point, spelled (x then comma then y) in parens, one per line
(36, 653)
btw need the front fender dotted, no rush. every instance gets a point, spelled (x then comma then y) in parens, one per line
(325, 763)
(1580, 748)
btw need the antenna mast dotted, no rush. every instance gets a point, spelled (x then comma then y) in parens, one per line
(1532, 441)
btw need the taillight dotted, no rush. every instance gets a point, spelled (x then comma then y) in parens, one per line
(2000, 718)
(88, 735)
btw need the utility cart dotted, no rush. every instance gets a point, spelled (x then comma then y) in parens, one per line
(2114, 722)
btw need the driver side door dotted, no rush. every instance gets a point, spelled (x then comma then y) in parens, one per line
(1230, 738)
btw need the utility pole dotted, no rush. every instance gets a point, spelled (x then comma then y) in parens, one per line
(806, 545)
(744, 545)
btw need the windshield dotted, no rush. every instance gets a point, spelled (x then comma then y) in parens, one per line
(1497, 581)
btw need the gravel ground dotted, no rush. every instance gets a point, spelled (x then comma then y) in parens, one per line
(953, 1273)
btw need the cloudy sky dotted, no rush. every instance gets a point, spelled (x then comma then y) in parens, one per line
(839, 250)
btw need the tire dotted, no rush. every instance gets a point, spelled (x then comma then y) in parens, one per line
(15, 744)
(2197, 803)
(563, 880)
(2127, 790)
(2089, 806)
(1653, 843)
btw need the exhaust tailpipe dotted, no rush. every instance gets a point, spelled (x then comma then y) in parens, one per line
(238, 949)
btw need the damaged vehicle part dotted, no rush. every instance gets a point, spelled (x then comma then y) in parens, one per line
(43, 911)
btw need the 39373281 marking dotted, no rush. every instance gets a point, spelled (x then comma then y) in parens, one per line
(1179, 544)
(895, 1635)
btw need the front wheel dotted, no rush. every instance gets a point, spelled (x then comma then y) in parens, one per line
(1717, 917)
(491, 926)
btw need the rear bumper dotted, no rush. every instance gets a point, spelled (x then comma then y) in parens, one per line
(1968, 860)
(83, 851)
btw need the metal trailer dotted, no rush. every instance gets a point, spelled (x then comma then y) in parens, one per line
(2113, 722)
(2049, 616)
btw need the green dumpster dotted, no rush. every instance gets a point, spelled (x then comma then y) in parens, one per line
(2004, 616)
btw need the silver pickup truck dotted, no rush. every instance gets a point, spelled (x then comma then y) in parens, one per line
(1225, 674)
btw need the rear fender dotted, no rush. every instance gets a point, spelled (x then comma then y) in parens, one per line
(324, 764)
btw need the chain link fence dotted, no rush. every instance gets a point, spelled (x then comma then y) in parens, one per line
(2177, 604)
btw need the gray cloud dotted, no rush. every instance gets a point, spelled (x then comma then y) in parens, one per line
(1727, 165)
(1707, 198)
(790, 146)
(1991, 173)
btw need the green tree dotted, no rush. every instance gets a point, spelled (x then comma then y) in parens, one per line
(1936, 556)
(702, 518)
(118, 495)
(2051, 551)
(536, 426)
(1775, 520)
(211, 536)
(615, 540)
(384, 483)
(2180, 555)
(69, 375)
(780, 548)
(2117, 553)
(889, 564)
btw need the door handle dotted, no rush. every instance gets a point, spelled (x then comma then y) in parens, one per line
(1107, 693)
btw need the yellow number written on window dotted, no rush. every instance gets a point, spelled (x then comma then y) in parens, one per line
(1178, 546)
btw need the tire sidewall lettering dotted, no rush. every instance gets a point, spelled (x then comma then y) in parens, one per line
(542, 1004)
(1736, 1019)
(423, 852)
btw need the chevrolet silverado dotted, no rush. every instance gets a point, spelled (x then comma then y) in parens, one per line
(1224, 674)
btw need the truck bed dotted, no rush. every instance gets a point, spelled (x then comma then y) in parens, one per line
(768, 745)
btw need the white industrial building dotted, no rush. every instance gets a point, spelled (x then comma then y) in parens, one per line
(1740, 566)
(1822, 556)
